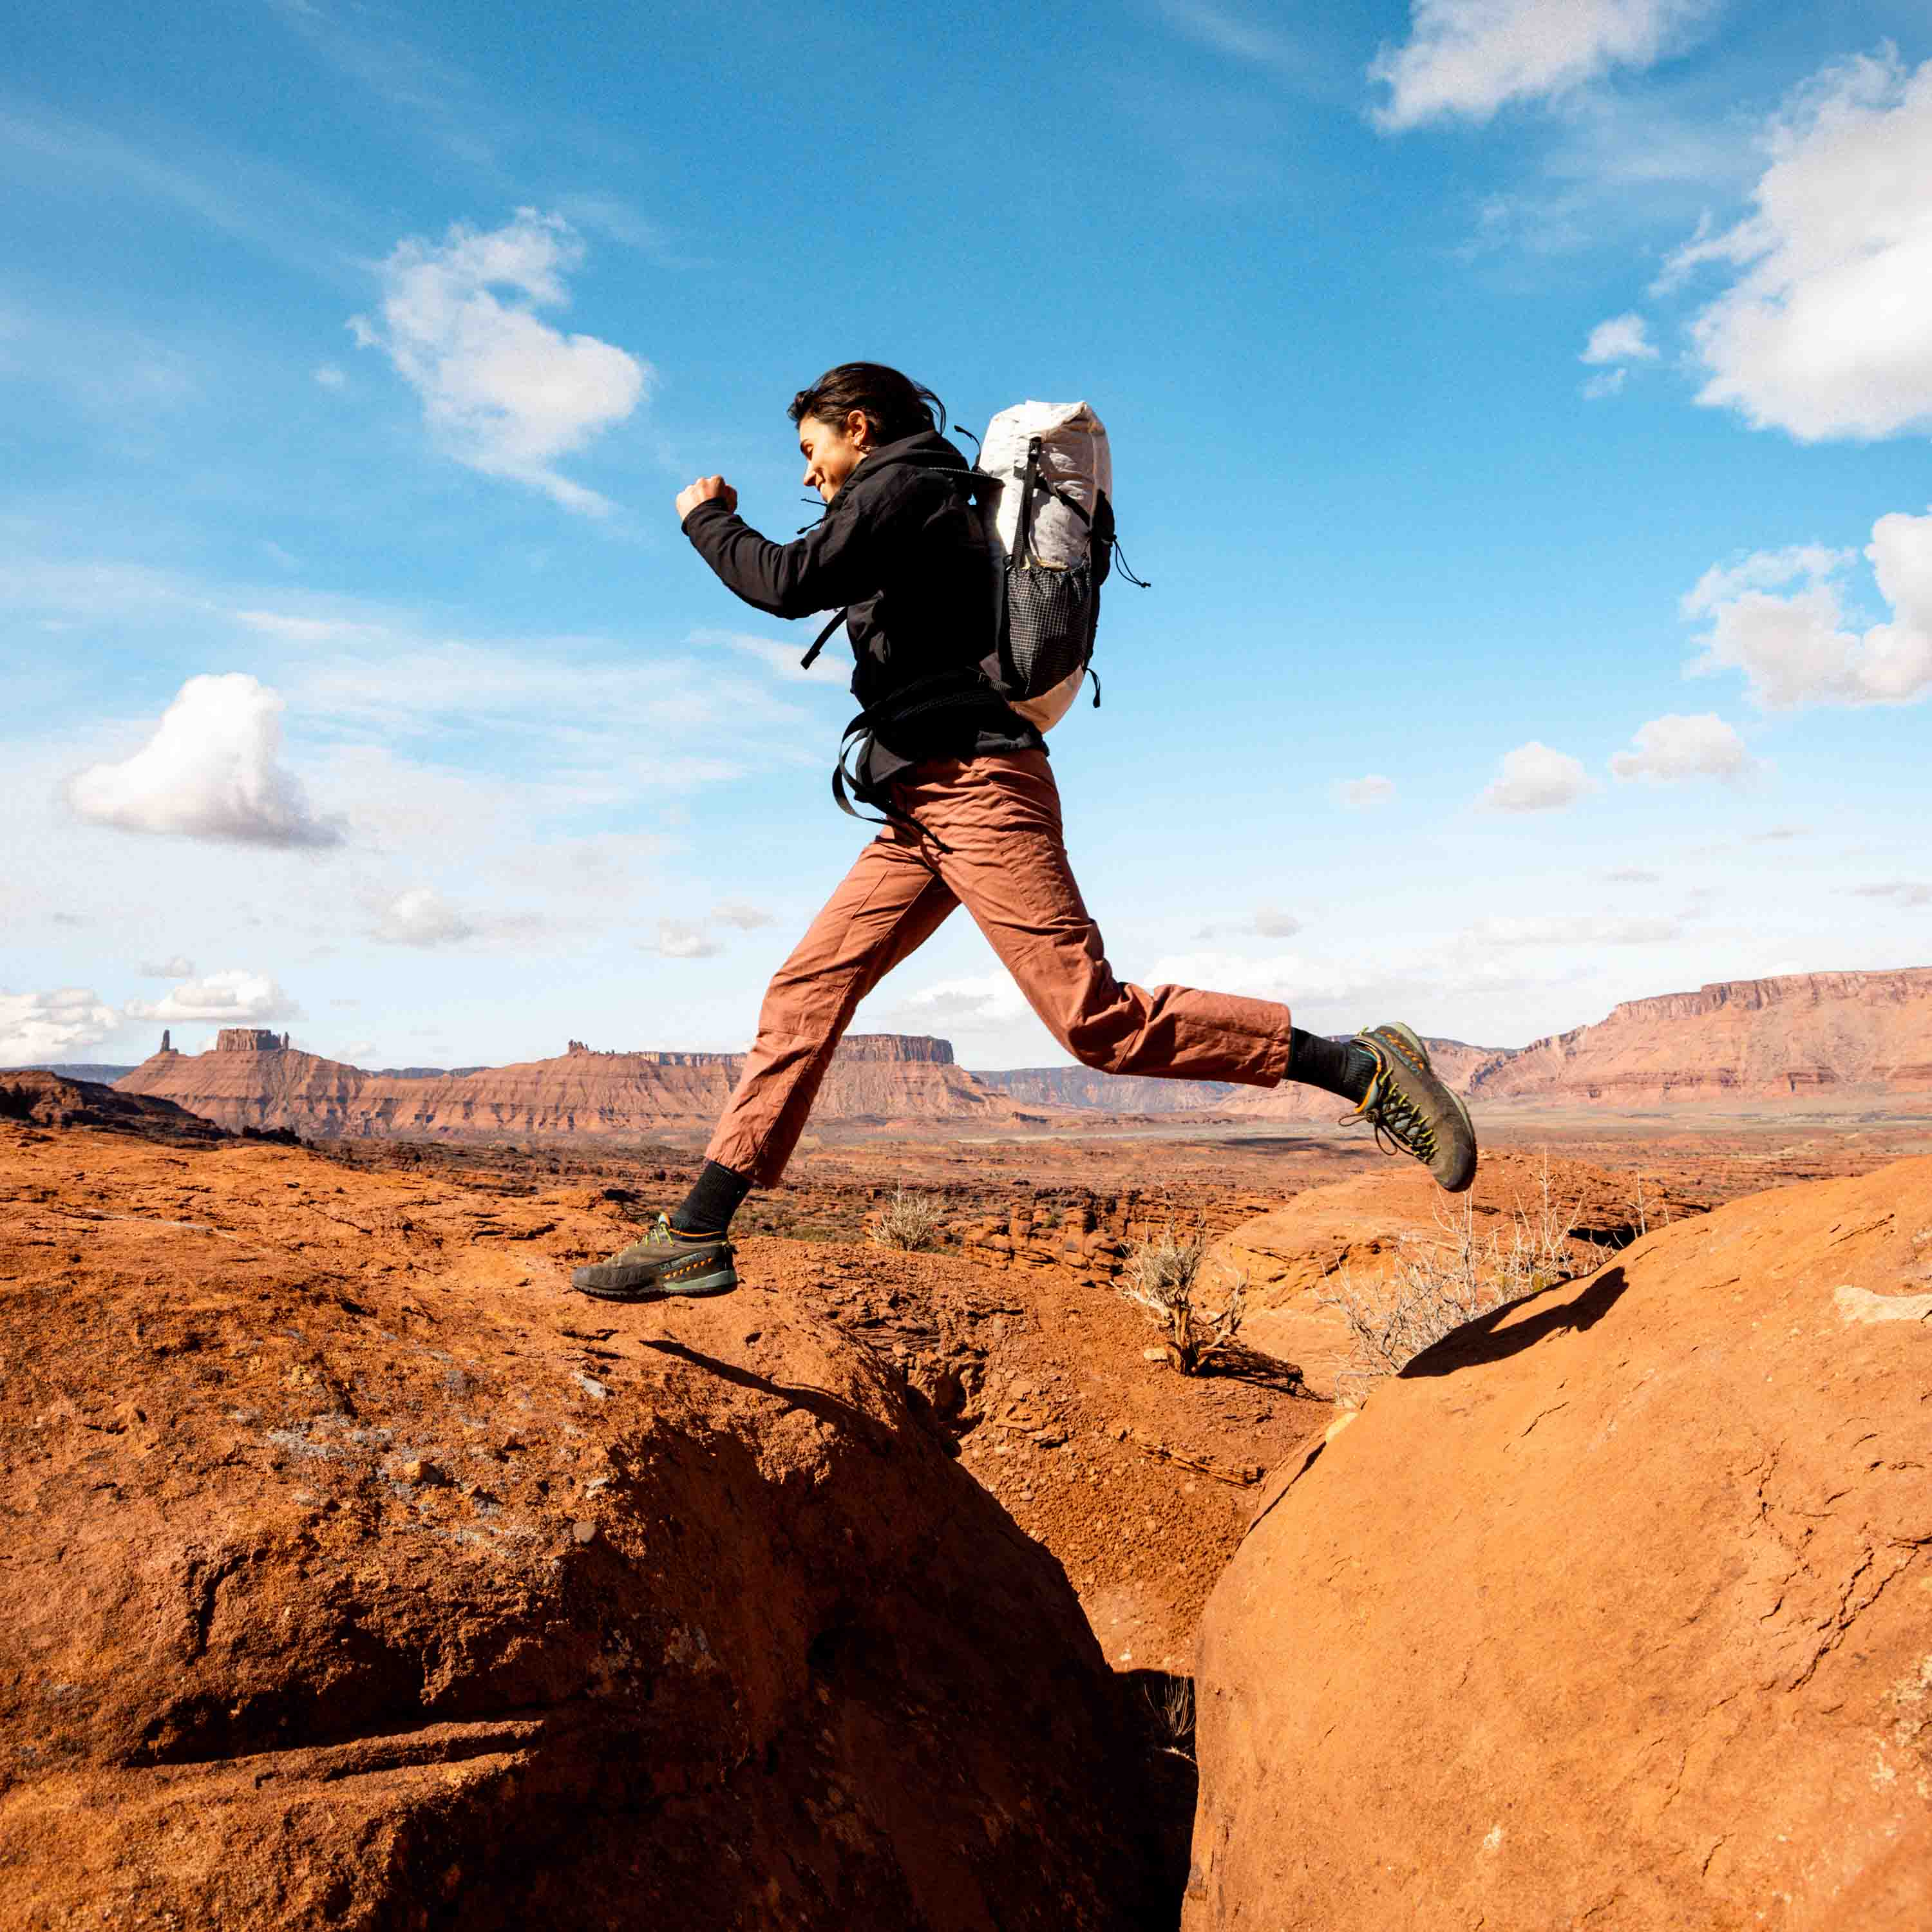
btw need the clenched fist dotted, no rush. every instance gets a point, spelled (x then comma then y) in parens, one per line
(705, 490)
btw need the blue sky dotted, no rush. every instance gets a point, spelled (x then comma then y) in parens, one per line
(1519, 408)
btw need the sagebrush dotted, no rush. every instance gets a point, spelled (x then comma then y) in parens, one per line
(910, 1221)
(1466, 1273)
(1162, 1276)
(1172, 1712)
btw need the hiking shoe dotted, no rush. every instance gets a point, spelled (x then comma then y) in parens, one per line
(661, 1266)
(1410, 1108)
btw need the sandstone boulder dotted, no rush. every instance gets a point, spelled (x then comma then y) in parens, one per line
(1616, 1609)
(1356, 1234)
(357, 1575)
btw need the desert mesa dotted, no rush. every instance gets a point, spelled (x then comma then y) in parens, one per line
(1855, 1041)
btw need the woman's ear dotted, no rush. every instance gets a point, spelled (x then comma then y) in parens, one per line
(858, 429)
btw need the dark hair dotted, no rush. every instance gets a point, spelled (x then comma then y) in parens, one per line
(894, 406)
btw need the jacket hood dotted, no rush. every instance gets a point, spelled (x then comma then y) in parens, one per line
(927, 450)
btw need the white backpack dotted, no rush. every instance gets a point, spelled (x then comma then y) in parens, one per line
(1051, 522)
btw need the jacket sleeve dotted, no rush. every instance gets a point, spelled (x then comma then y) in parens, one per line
(834, 563)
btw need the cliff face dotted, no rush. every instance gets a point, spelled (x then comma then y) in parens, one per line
(1108, 1094)
(1821, 1037)
(251, 1080)
(1850, 1038)
(1802, 1036)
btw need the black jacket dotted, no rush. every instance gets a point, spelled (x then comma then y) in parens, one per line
(902, 547)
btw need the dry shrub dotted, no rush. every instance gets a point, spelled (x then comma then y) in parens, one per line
(1172, 1712)
(1464, 1275)
(910, 1221)
(1161, 1277)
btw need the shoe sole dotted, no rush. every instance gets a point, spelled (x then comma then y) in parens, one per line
(720, 1282)
(1475, 1153)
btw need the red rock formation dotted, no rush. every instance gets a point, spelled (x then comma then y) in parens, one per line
(244, 1040)
(36, 1098)
(1097, 1092)
(252, 1079)
(1835, 1038)
(1808, 1036)
(1612, 1609)
(347, 1584)
(1081, 1087)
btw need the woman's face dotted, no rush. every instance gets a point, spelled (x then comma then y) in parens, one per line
(832, 450)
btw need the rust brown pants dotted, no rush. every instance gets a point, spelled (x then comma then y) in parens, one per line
(1007, 866)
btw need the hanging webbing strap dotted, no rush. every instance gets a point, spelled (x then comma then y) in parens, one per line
(824, 637)
(942, 691)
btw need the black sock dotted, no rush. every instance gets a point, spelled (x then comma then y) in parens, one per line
(1335, 1066)
(714, 1198)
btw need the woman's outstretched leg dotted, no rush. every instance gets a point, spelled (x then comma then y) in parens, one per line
(887, 906)
(1006, 863)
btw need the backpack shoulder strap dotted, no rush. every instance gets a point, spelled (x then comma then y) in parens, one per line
(975, 483)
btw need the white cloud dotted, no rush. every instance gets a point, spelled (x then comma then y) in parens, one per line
(1633, 875)
(1578, 931)
(677, 939)
(1286, 976)
(212, 769)
(570, 688)
(38, 1028)
(1674, 746)
(1360, 794)
(980, 1002)
(1762, 570)
(358, 1052)
(1616, 166)
(746, 918)
(1268, 922)
(1901, 892)
(1613, 346)
(1228, 31)
(1470, 57)
(1624, 338)
(1823, 331)
(232, 997)
(288, 628)
(1533, 778)
(331, 377)
(832, 666)
(174, 968)
(1797, 649)
(502, 391)
(421, 917)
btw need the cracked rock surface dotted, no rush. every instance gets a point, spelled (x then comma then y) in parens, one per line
(357, 1574)
(1614, 1609)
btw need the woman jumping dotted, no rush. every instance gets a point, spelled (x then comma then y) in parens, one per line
(973, 819)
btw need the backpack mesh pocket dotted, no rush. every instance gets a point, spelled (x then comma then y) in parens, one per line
(1050, 616)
